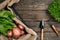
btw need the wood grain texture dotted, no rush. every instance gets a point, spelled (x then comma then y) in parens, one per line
(32, 12)
(34, 15)
(33, 5)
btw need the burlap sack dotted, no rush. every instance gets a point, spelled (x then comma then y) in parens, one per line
(31, 34)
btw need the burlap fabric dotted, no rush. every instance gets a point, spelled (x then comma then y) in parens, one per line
(31, 34)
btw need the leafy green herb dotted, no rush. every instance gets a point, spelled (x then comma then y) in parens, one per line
(54, 9)
(6, 21)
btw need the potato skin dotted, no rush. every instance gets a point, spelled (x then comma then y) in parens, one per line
(17, 32)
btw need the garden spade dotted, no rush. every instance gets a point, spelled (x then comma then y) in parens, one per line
(42, 28)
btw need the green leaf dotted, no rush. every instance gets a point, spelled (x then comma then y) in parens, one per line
(6, 21)
(54, 9)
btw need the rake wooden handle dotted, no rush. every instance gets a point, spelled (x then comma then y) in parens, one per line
(42, 34)
(55, 30)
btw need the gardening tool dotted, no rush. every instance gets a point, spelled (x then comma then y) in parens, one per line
(55, 30)
(42, 28)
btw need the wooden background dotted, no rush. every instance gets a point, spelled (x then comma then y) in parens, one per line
(33, 11)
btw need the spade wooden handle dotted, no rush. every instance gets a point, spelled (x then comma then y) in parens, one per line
(42, 34)
(55, 30)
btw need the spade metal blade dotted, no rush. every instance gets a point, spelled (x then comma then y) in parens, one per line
(41, 24)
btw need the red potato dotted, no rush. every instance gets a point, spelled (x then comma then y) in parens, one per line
(10, 33)
(23, 33)
(18, 24)
(21, 27)
(16, 32)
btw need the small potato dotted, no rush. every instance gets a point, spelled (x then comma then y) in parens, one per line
(21, 27)
(10, 33)
(16, 32)
(23, 32)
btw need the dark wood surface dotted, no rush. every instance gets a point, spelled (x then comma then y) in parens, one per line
(33, 11)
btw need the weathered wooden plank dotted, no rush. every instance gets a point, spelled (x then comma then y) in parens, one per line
(51, 36)
(48, 36)
(35, 26)
(35, 15)
(33, 5)
(31, 2)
